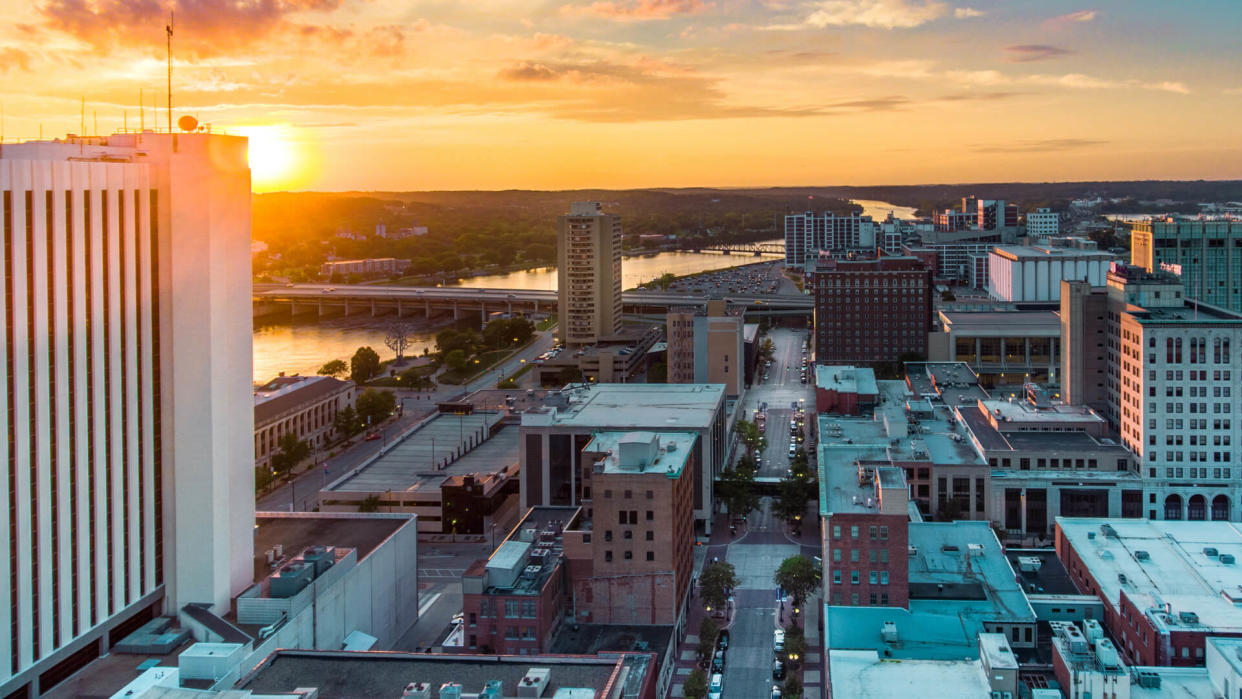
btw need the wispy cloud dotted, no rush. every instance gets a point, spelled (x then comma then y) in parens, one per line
(638, 10)
(878, 14)
(528, 71)
(967, 12)
(11, 58)
(1027, 53)
(1070, 19)
(1169, 86)
(1046, 145)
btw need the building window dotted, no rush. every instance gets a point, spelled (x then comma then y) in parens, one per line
(629, 555)
(650, 515)
(836, 577)
(607, 535)
(651, 555)
(854, 532)
(884, 534)
(650, 496)
(650, 535)
(853, 577)
(608, 556)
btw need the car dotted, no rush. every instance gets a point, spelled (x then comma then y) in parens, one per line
(328, 290)
(778, 670)
(372, 436)
(716, 687)
(722, 641)
(718, 661)
(459, 618)
(776, 692)
(793, 448)
(778, 640)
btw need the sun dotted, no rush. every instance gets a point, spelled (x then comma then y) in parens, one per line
(278, 157)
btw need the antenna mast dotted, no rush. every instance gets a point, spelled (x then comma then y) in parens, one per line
(168, 29)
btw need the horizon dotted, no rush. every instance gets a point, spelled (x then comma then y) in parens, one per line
(551, 95)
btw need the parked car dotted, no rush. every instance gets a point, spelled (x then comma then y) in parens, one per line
(722, 641)
(374, 435)
(776, 692)
(778, 640)
(718, 661)
(778, 670)
(716, 687)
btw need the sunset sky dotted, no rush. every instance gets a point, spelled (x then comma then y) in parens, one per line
(553, 94)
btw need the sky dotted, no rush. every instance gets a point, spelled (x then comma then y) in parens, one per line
(563, 94)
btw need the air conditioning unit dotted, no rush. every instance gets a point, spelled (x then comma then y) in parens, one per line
(417, 690)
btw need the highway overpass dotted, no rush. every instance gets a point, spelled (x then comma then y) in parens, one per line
(326, 299)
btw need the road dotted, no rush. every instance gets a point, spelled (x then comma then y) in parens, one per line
(782, 389)
(302, 493)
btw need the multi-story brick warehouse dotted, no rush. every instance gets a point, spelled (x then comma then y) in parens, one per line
(865, 538)
(871, 310)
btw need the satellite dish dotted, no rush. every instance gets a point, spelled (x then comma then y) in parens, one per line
(187, 123)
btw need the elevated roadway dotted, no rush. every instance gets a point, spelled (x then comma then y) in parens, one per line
(325, 299)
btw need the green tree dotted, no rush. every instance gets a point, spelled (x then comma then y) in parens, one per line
(708, 629)
(748, 433)
(262, 478)
(289, 452)
(374, 406)
(664, 281)
(792, 688)
(792, 496)
(364, 365)
(457, 360)
(797, 576)
(715, 582)
(346, 423)
(737, 488)
(695, 686)
(336, 367)
(795, 645)
(949, 511)
(369, 504)
(570, 374)
(766, 349)
(507, 383)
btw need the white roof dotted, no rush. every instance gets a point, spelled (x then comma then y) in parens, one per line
(620, 406)
(861, 673)
(1175, 570)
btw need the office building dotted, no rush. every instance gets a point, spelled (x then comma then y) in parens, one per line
(1207, 253)
(865, 536)
(304, 406)
(1166, 586)
(553, 437)
(588, 273)
(953, 261)
(978, 215)
(1033, 273)
(129, 484)
(808, 233)
(871, 310)
(865, 673)
(707, 348)
(1169, 372)
(1043, 223)
(844, 390)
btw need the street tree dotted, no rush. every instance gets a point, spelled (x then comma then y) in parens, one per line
(748, 433)
(737, 488)
(335, 368)
(665, 280)
(708, 629)
(374, 406)
(715, 583)
(346, 423)
(792, 496)
(798, 576)
(364, 365)
(289, 452)
(695, 686)
(792, 688)
(457, 360)
(398, 339)
(795, 645)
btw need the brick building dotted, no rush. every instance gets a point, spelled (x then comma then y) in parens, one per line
(865, 538)
(871, 310)
(513, 602)
(632, 563)
(844, 390)
(1166, 586)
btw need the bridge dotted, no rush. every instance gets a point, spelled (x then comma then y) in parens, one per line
(325, 299)
(756, 249)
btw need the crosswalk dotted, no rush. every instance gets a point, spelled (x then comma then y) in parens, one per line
(450, 573)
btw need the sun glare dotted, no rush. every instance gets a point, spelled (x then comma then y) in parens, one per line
(278, 158)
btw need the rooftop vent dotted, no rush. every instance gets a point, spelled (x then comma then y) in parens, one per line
(417, 690)
(1142, 556)
(1226, 558)
(1210, 552)
(888, 632)
(1188, 617)
(535, 682)
(450, 690)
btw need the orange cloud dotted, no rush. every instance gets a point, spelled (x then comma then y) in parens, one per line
(203, 27)
(638, 10)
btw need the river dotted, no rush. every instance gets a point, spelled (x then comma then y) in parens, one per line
(304, 346)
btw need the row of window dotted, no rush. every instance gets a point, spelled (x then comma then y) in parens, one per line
(877, 555)
(627, 555)
(874, 532)
(875, 577)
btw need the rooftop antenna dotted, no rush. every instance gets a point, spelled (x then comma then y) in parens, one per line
(168, 29)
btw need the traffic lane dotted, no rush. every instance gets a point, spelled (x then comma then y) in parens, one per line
(748, 666)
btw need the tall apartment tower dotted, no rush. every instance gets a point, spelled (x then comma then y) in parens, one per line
(588, 273)
(807, 233)
(1208, 253)
(127, 478)
(1170, 374)
(871, 310)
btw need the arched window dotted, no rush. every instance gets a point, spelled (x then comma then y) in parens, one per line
(1173, 507)
(1196, 508)
(1220, 508)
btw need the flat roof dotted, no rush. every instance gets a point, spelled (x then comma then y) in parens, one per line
(1176, 683)
(1163, 562)
(1045, 252)
(669, 451)
(295, 531)
(621, 406)
(1191, 312)
(285, 393)
(408, 464)
(861, 673)
(1003, 323)
(606, 638)
(386, 674)
(966, 552)
(846, 379)
(1023, 411)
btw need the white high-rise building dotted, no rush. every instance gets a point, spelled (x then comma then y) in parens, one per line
(588, 273)
(1043, 223)
(808, 233)
(127, 481)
